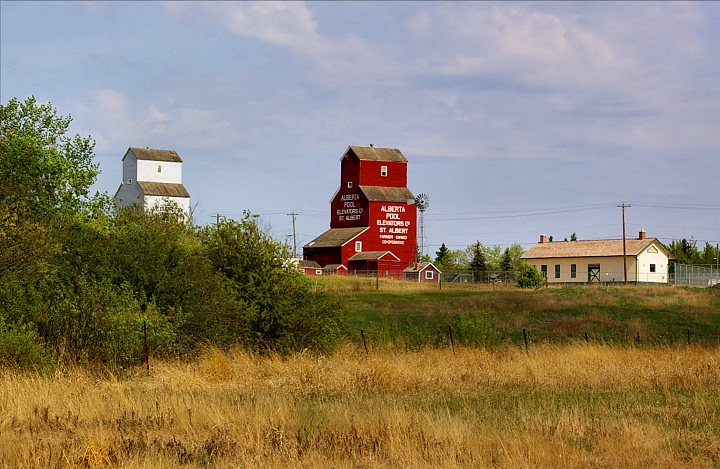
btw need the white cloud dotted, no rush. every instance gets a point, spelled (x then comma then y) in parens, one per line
(292, 25)
(119, 123)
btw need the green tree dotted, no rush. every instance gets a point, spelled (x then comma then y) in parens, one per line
(478, 264)
(506, 263)
(284, 314)
(43, 170)
(441, 255)
(528, 276)
(685, 251)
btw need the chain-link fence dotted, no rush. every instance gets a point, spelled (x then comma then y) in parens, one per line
(695, 275)
(455, 276)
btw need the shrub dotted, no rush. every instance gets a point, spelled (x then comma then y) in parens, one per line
(528, 276)
(21, 346)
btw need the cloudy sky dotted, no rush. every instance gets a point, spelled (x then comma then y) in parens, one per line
(518, 119)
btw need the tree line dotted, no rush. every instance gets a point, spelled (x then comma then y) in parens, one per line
(80, 280)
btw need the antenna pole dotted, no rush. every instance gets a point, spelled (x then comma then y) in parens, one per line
(293, 215)
(624, 243)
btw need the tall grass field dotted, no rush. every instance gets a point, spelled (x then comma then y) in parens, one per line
(610, 401)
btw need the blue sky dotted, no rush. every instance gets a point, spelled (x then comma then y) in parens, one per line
(518, 119)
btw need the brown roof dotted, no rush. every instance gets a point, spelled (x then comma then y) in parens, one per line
(387, 194)
(163, 189)
(156, 155)
(335, 237)
(595, 248)
(420, 267)
(378, 154)
(372, 256)
(303, 264)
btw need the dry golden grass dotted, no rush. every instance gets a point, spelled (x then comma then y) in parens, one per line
(569, 406)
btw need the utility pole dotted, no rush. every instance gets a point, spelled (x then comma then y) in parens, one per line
(293, 215)
(624, 246)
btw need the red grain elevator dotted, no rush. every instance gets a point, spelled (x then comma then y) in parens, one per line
(373, 217)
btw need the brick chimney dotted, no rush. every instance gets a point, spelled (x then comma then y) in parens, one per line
(642, 234)
(543, 238)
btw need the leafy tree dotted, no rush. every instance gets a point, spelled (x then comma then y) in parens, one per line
(528, 276)
(687, 252)
(284, 314)
(40, 164)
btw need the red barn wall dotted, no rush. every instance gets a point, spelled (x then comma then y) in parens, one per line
(371, 174)
(349, 208)
(392, 228)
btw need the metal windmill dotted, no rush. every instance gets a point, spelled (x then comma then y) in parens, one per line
(422, 201)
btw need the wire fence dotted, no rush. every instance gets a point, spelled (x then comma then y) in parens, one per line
(696, 275)
(684, 275)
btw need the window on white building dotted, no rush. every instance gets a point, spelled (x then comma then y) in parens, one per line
(159, 168)
(652, 267)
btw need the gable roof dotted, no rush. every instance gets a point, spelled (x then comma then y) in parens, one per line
(304, 264)
(335, 237)
(163, 189)
(392, 155)
(155, 155)
(420, 267)
(372, 256)
(594, 248)
(387, 194)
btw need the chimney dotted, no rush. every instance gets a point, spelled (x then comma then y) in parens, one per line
(642, 234)
(543, 238)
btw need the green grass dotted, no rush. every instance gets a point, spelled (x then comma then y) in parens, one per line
(660, 315)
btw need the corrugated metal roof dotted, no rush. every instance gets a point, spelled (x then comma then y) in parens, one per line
(163, 189)
(372, 256)
(387, 194)
(335, 237)
(156, 155)
(379, 154)
(308, 264)
(594, 248)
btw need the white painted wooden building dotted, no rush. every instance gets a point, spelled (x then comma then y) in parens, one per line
(152, 178)
(601, 261)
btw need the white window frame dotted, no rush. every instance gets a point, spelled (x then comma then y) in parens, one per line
(358, 246)
(383, 171)
(349, 184)
(429, 275)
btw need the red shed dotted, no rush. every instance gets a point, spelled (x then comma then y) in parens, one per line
(372, 211)
(422, 272)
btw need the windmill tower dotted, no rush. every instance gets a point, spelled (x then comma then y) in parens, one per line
(422, 201)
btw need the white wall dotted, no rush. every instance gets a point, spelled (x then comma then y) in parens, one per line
(170, 172)
(152, 201)
(129, 195)
(611, 268)
(652, 255)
